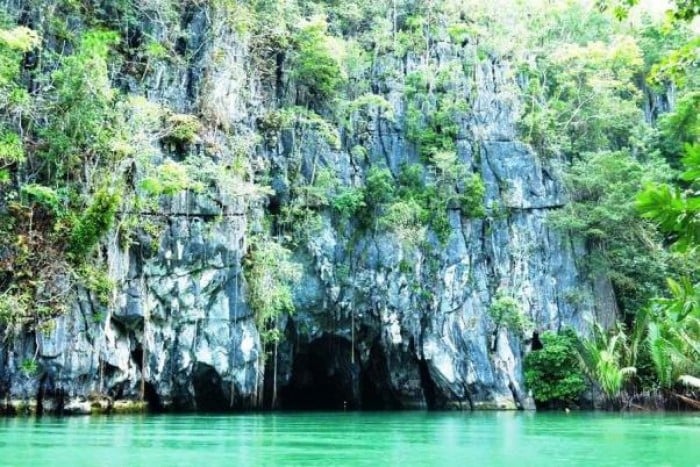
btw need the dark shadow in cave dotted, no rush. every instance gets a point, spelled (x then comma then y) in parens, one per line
(429, 391)
(377, 393)
(323, 377)
(152, 398)
(208, 393)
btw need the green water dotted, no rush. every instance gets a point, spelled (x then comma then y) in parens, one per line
(373, 439)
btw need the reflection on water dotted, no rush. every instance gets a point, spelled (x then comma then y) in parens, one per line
(329, 439)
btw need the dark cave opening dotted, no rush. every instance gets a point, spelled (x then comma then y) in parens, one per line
(137, 356)
(150, 395)
(377, 393)
(323, 377)
(428, 385)
(208, 390)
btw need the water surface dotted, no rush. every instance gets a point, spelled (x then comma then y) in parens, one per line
(372, 439)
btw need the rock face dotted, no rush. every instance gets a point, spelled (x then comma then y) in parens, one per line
(378, 324)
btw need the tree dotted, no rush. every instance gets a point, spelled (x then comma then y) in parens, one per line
(314, 64)
(624, 247)
(554, 373)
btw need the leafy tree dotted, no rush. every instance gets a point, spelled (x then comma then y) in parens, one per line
(675, 210)
(674, 327)
(84, 124)
(554, 373)
(505, 311)
(624, 247)
(584, 98)
(379, 186)
(314, 64)
(681, 10)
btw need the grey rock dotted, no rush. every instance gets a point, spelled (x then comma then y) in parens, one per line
(378, 322)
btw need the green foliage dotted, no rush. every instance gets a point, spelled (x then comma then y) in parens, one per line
(434, 129)
(554, 373)
(624, 247)
(432, 123)
(584, 99)
(154, 50)
(349, 202)
(407, 218)
(290, 117)
(471, 200)
(370, 101)
(20, 38)
(269, 273)
(182, 128)
(505, 311)
(13, 44)
(11, 150)
(29, 367)
(604, 355)
(679, 10)
(170, 178)
(97, 280)
(412, 202)
(461, 32)
(676, 211)
(14, 307)
(680, 128)
(94, 222)
(680, 66)
(674, 333)
(84, 123)
(314, 64)
(413, 36)
(44, 196)
(379, 186)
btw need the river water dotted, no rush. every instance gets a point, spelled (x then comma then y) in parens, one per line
(373, 439)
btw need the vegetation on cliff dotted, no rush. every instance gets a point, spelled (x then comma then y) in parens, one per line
(612, 103)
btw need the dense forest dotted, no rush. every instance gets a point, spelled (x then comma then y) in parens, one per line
(122, 120)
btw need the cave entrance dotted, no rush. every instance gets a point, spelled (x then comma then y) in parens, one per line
(208, 393)
(323, 377)
(150, 395)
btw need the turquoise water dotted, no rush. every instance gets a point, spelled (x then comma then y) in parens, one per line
(372, 439)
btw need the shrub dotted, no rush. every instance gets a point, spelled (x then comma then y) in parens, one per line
(182, 128)
(13, 307)
(554, 373)
(29, 367)
(379, 187)
(43, 196)
(505, 311)
(314, 65)
(307, 119)
(169, 179)
(472, 199)
(20, 38)
(11, 150)
(97, 280)
(349, 202)
(94, 222)
(83, 123)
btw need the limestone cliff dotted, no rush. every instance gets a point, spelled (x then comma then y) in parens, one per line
(380, 322)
